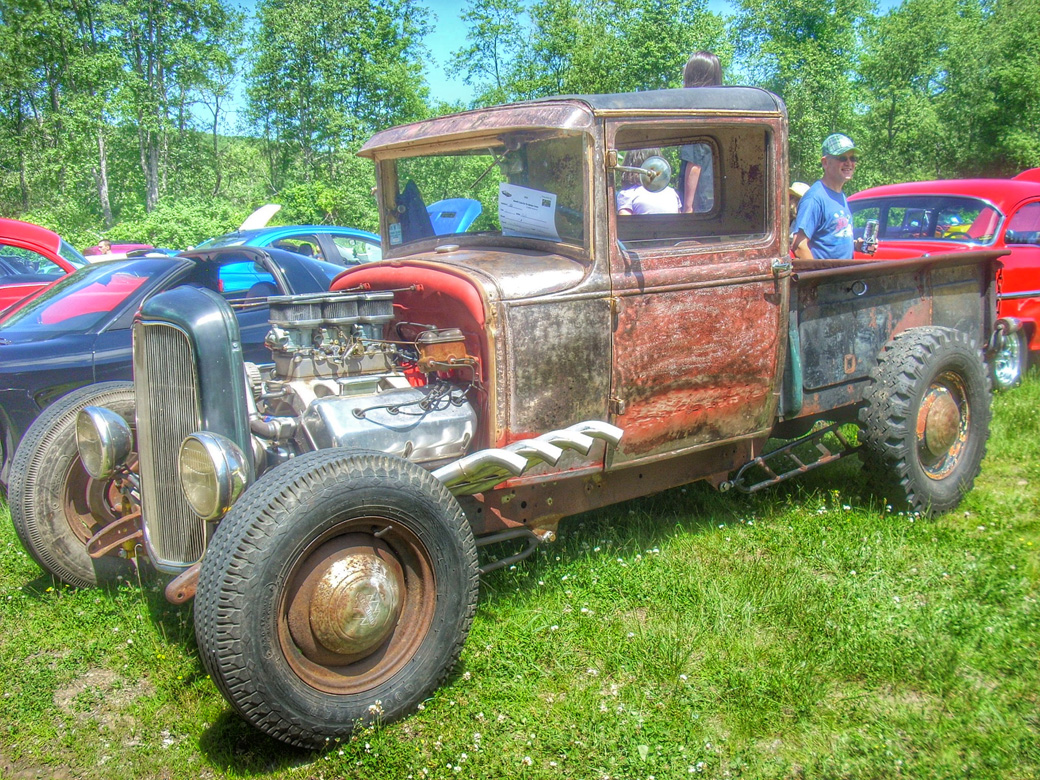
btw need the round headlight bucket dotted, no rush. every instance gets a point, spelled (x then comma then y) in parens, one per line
(103, 439)
(213, 473)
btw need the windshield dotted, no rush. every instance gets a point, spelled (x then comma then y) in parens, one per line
(81, 301)
(70, 253)
(928, 217)
(231, 239)
(522, 185)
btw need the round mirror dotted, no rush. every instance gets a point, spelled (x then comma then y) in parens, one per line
(655, 173)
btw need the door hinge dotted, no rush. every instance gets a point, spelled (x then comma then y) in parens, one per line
(617, 406)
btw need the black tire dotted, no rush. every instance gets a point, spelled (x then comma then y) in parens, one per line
(55, 505)
(257, 617)
(1009, 363)
(931, 380)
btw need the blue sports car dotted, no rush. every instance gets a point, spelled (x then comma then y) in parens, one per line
(343, 246)
(77, 330)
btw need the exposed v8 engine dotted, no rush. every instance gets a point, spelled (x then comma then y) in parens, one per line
(336, 382)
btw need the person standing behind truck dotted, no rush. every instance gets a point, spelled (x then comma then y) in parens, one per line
(696, 174)
(823, 228)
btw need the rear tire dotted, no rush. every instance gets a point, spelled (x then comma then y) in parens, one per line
(337, 592)
(55, 505)
(927, 418)
(1010, 361)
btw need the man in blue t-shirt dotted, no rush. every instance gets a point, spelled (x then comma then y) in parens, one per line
(823, 229)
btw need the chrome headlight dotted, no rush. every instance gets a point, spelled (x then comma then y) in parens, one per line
(103, 439)
(213, 473)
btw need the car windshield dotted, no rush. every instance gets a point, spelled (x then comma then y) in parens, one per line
(70, 253)
(521, 185)
(231, 239)
(928, 217)
(81, 301)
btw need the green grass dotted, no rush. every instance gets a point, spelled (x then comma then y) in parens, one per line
(804, 632)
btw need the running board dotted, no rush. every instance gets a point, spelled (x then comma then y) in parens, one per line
(783, 463)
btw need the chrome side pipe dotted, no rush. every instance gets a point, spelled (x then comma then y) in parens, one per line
(485, 469)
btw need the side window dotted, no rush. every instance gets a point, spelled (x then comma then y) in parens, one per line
(704, 201)
(892, 225)
(353, 251)
(18, 262)
(306, 245)
(862, 216)
(245, 279)
(1024, 227)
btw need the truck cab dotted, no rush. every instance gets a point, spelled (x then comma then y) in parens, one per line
(672, 326)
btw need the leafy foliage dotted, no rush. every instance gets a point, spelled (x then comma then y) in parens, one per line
(114, 116)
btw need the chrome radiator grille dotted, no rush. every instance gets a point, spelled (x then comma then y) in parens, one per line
(166, 385)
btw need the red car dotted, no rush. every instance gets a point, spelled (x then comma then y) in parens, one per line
(932, 217)
(30, 258)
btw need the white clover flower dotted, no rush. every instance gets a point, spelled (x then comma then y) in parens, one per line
(526, 761)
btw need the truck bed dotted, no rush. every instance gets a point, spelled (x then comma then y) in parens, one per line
(844, 311)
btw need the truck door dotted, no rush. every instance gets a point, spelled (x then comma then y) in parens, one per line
(699, 308)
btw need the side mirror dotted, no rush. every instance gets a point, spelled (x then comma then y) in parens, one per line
(655, 173)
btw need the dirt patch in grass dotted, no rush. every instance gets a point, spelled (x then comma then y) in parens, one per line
(103, 696)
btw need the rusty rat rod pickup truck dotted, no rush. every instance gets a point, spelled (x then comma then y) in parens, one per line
(471, 389)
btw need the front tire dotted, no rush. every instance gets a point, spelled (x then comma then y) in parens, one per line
(338, 591)
(55, 505)
(927, 418)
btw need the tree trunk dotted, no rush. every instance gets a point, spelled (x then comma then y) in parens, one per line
(151, 174)
(148, 150)
(101, 178)
(218, 177)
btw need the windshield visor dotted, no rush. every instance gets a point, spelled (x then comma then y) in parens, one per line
(928, 218)
(520, 185)
(80, 302)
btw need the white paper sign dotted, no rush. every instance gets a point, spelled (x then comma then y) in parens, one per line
(526, 212)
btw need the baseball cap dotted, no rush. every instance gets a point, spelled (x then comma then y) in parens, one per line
(798, 188)
(837, 144)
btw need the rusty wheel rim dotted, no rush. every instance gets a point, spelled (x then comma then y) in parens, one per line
(356, 607)
(88, 504)
(943, 421)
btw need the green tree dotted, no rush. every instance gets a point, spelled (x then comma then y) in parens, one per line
(496, 39)
(991, 109)
(806, 51)
(327, 73)
(170, 51)
(902, 78)
(566, 46)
